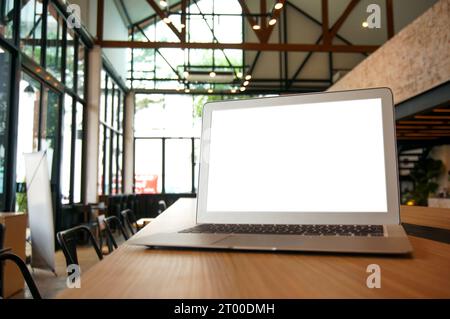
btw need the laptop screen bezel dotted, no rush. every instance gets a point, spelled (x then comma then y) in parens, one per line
(392, 216)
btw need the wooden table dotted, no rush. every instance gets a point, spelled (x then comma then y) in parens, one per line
(137, 272)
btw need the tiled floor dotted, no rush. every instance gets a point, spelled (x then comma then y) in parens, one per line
(49, 284)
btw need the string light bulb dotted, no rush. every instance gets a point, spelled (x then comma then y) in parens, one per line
(278, 5)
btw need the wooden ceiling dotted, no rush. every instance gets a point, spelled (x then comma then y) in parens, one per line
(433, 124)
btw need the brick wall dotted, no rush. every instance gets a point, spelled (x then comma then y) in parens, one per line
(414, 61)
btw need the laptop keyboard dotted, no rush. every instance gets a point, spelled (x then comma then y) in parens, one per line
(305, 230)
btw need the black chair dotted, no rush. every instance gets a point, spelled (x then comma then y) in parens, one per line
(68, 240)
(130, 221)
(113, 222)
(5, 255)
(162, 206)
(105, 231)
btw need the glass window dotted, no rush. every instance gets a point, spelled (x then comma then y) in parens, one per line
(114, 163)
(54, 42)
(148, 169)
(49, 126)
(78, 154)
(103, 96)
(101, 142)
(116, 109)
(66, 150)
(111, 137)
(109, 103)
(81, 69)
(6, 19)
(70, 57)
(120, 165)
(178, 169)
(28, 131)
(5, 79)
(31, 28)
(107, 162)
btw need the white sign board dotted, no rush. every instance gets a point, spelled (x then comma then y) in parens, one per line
(40, 211)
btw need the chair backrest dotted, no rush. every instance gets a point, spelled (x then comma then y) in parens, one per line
(114, 221)
(7, 255)
(68, 240)
(105, 229)
(129, 219)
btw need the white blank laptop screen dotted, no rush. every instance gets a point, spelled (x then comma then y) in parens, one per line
(321, 157)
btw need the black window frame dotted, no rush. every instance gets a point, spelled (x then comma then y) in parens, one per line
(116, 133)
(20, 62)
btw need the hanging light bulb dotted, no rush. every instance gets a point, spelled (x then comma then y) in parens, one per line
(256, 26)
(212, 74)
(210, 90)
(248, 77)
(29, 90)
(272, 21)
(243, 88)
(246, 83)
(167, 20)
(163, 3)
(186, 74)
(239, 75)
(233, 90)
(278, 6)
(187, 91)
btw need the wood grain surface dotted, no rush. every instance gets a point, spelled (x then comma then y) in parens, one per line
(138, 272)
(426, 216)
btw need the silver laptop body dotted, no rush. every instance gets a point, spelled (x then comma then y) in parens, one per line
(311, 172)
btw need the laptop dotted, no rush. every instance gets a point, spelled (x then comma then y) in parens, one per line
(310, 172)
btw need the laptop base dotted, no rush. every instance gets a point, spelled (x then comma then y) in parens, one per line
(395, 241)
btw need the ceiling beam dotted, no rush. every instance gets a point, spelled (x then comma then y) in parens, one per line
(317, 22)
(340, 21)
(250, 19)
(390, 18)
(163, 15)
(251, 46)
(183, 19)
(263, 6)
(275, 15)
(302, 65)
(325, 23)
(100, 19)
